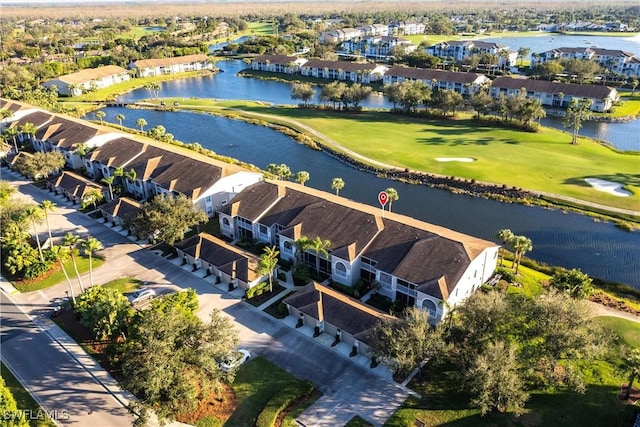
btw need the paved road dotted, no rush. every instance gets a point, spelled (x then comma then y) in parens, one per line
(53, 376)
(348, 388)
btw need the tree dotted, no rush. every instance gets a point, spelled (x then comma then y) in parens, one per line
(71, 241)
(574, 282)
(171, 359)
(303, 91)
(506, 236)
(494, 380)
(100, 115)
(48, 206)
(91, 197)
(12, 416)
(90, 245)
(106, 311)
(480, 101)
(167, 218)
(280, 172)
(631, 365)
(12, 133)
(337, 184)
(34, 214)
(392, 194)
(447, 101)
(522, 53)
(41, 164)
(268, 262)
(302, 177)
(521, 245)
(109, 181)
(407, 341)
(577, 112)
(61, 255)
(120, 118)
(633, 82)
(153, 88)
(141, 123)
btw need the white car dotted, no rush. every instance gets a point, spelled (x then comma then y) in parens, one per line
(235, 359)
(141, 295)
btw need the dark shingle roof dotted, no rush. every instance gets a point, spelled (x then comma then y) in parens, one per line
(275, 59)
(340, 65)
(74, 184)
(117, 152)
(122, 207)
(430, 74)
(587, 91)
(37, 118)
(252, 201)
(65, 133)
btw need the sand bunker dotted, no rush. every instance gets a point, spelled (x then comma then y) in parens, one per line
(608, 187)
(455, 159)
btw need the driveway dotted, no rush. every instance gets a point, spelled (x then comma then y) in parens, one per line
(348, 389)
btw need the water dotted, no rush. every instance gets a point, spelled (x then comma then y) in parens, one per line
(566, 239)
(547, 41)
(227, 85)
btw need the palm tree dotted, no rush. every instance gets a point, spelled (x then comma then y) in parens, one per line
(392, 194)
(321, 248)
(141, 123)
(506, 236)
(29, 129)
(302, 177)
(34, 214)
(72, 242)
(61, 254)
(109, 181)
(100, 115)
(522, 245)
(268, 263)
(120, 118)
(91, 245)
(48, 206)
(337, 184)
(12, 134)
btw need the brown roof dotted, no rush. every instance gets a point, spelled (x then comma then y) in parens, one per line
(64, 133)
(37, 118)
(116, 152)
(427, 74)
(225, 257)
(89, 74)
(545, 86)
(122, 207)
(275, 59)
(160, 62)
(347, 314)
(340, 65)
(7, 104)
(74, 184)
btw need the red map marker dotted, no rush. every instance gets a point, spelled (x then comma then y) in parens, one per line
(383, 198)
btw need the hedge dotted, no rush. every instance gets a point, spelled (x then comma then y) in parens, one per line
(281, 401)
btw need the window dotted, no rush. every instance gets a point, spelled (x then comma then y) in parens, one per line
(431, 307)
(225, 222)
(385, 280)
(207, 199)
(341, 270)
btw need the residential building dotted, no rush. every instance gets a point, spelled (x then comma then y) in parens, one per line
(375, 30)
(119, 211)
(407, 28)
(179, 64)
(74, 187)
(87, 80)
(420, 264)
(615, 61)
(336, 314)
(548, 92)
(360, 72)
(223, 261)
(375, 47)
(277, 63)
(458, 50)
(340, 35)
(463, 83)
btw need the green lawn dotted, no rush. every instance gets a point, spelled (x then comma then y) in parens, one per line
(627, 330)
(257, 381)
(23, 398)
(124, 285)
(58, 276)
(543, 161)
(440, 405)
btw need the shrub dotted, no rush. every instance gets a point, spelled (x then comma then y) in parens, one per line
(301, 274)
(279, 402)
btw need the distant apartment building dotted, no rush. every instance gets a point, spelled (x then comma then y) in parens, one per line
(407, 28)
(75, 84)
(458, 50)
(377, 48)
(463, 83)
(616, 61)
(278, 63)
(179, 64)
(357, 72)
